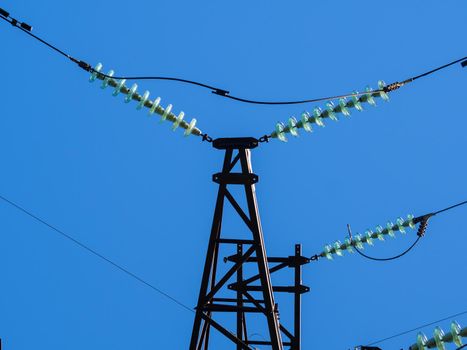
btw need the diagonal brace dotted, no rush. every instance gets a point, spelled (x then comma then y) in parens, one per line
(230, 273)
(225, 332)
(239, 210)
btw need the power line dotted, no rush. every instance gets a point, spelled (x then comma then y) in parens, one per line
(4, 15)
(94, 252)
(218, 91)
(419, 327)
(449, 208)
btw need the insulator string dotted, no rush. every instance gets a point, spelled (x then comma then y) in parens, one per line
(144, 101)
(356, 242)
(332, 111)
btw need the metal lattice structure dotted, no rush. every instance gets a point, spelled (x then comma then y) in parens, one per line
(248, 251)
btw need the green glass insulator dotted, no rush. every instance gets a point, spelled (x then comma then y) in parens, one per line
(356, 102)
(400, 225)
(129, 95)
(105, 82)
(190, 128)
(166, 113)
(292, 124)
(382, 94)
(280, 132)
(177, 121)
(317, 117)
(337, 248)
(438, 336)
(120, 85)
(368, 237)
(95, 72)
(369, 96)
(390, 228)
(328, 251)
(143, 100)
(330, 111)
(358, 241)
(343, 107)
(154, 106)
(409, 221)
(455, 333)
(421, 341)
(348, 245)
(306, 122)
(379, 231)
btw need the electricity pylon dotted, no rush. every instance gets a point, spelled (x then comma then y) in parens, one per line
(243, 301)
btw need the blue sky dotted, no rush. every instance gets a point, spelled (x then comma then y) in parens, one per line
(142, 195)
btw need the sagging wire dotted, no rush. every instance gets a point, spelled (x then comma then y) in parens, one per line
(26, 28)
(382, 259)
(225, 93)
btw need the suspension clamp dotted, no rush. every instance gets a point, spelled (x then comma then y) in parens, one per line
(264, 138)
(207, 138)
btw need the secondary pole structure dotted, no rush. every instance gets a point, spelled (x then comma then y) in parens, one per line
(244, 297)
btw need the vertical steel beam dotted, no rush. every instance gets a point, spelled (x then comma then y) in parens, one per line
(210, 256)
(240, 314)
(265, 278)
(297, 298)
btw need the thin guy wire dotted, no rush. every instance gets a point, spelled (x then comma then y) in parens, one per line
(225, 93)
(92, 251)
(417, 328)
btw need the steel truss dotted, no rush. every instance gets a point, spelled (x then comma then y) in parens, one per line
(248, 251)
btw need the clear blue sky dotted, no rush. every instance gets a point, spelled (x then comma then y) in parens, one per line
(142, 195)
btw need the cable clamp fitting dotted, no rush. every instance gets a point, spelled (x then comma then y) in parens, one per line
(86, 66)
(393, 86)
(207, 138)
(423, 224)
(220, 92)
(264, 138)
(4, 13)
